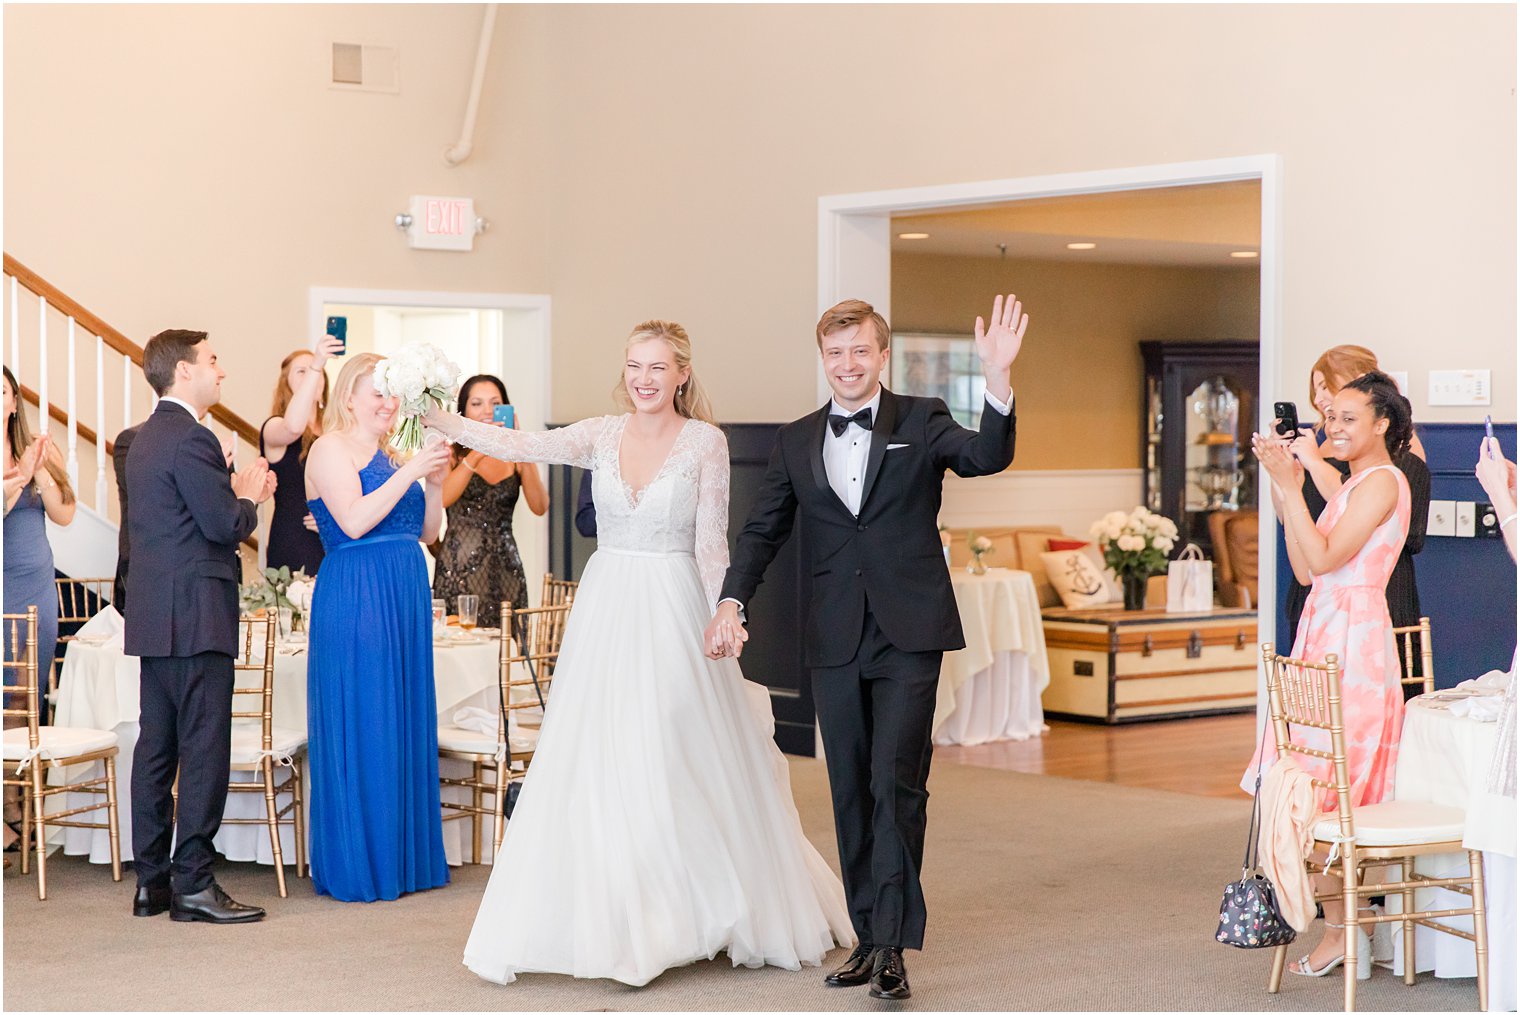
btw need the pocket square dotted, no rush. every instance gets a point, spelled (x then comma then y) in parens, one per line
(894, 447)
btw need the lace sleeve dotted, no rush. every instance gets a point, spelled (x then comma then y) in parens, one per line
(569, 445)
(712, 516)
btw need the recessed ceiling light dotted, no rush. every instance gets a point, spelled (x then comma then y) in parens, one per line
(1244, 253)
(912, 236)
(1081, 246)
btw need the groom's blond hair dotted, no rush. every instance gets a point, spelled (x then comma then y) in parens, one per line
(852, 312)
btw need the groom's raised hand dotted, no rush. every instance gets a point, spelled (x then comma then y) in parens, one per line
(998, 344)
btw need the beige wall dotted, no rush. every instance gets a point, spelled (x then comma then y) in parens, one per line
(188, 165)
(1078, 377)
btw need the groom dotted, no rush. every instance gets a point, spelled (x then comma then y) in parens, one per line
(865, 472)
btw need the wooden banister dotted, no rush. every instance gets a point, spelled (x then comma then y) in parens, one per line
(58, 414)
(65, 305)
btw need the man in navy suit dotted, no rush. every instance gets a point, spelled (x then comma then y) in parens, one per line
(186, 517)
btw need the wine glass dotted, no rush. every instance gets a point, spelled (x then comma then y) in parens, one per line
(468, 607)
(440, 611)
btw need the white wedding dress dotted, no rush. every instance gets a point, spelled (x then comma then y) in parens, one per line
(656, 825)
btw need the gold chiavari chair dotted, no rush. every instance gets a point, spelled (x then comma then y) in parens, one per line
(1426, 677)
(258, 745)
(32, 750)
(79, 599)
(1357, 839)
(527, 667)
(558, 591)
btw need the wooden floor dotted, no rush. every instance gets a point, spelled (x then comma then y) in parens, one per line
(1204, 757)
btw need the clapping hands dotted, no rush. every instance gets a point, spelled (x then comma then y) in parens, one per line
(1278, 460)
(255, 483)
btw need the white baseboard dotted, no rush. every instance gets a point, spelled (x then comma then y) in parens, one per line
(1070, 498)
(87, 548)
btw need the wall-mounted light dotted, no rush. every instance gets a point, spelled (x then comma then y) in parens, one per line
(912, 236)
(1081, 246)
(1244, 253)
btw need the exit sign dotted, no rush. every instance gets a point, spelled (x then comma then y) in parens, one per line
(441, 223)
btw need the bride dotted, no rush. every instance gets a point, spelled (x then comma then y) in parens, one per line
(656, 826)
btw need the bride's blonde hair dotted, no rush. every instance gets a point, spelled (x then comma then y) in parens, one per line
(690, 401)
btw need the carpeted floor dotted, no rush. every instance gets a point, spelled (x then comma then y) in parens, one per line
(1044, 893)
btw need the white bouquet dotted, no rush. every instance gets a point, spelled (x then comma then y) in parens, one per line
(423, 378)
(1136, 544)
(299, 592)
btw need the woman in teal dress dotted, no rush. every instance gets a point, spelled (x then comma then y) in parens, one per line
(376, 824)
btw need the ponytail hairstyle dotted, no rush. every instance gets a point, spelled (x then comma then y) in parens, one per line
(690, 401)
(1387, 403)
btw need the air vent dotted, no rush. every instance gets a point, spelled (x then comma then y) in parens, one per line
(363, 68)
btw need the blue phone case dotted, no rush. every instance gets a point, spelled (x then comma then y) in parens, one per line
(503, 414)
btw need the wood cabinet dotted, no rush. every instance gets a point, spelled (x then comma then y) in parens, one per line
(1200, 405)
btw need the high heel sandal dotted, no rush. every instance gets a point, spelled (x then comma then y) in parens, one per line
(1301, 967)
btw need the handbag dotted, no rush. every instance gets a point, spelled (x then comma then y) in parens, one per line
(1248, 915)
(1190, 582)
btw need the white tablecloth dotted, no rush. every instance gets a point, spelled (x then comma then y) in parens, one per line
(990, 690)
(1445, 759)
(99, 689)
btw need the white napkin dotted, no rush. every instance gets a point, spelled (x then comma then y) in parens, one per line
(107, 623)
(1480, 708)
(481, 720)
(1492, 682)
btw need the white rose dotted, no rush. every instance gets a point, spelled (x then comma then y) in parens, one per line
(378, 378)
(1164, 544)
(1169, 528)
(1115, 518)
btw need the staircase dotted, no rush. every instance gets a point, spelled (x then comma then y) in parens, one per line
(46, 329)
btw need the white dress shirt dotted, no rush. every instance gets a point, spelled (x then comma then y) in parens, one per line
(845, 456)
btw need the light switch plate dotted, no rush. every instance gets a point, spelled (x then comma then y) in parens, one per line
(1466, 519)
(1443, 518)
(1460, 387)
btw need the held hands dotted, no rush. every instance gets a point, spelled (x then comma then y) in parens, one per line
(725, 635)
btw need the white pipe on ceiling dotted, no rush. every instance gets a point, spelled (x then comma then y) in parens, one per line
(460, 150)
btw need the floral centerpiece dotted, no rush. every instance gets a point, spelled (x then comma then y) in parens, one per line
(1135, 546)
(423, 378)
(980, 546)
(280, 589)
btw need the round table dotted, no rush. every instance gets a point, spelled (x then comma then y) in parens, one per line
(99, 689)
(1445, 759)
(990, 690)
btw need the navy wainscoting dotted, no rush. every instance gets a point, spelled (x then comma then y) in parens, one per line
(1467, 586)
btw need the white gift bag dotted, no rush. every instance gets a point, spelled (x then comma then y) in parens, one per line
(1190, 582)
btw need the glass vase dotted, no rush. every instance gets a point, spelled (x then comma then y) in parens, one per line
(1134, 591)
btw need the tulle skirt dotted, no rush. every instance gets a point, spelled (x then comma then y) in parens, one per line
(656, 825)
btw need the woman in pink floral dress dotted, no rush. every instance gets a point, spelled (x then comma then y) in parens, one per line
(1346, 558)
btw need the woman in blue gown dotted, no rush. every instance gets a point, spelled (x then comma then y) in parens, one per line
(376, 824)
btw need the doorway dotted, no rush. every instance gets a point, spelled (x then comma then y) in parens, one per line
(485, 333)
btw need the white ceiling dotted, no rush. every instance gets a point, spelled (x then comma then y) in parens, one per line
(1173, 225)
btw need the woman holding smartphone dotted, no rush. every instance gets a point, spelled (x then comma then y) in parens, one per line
(1325, 470)
(479, 554)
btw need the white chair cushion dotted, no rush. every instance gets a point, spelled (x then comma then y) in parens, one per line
(248, 742)
(57, 742)
(453, 738)
(1397, 823)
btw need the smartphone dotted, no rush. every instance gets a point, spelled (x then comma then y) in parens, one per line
(1488, 425)
(337, 327)
(503, 414)
(1287, 418)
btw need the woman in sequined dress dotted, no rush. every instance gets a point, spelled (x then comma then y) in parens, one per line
(479, 553)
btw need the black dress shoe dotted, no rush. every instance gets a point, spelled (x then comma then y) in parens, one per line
(150, 900)
(890, 979)
(211, 905)
(856, 969)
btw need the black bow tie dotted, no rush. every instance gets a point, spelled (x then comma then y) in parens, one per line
(839, 423)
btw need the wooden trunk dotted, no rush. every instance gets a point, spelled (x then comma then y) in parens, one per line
(1117, 666)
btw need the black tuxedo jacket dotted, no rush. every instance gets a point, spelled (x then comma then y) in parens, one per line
(184, 525)
(890, 556)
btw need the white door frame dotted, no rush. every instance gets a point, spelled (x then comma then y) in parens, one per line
(536, 306)
(855, 261)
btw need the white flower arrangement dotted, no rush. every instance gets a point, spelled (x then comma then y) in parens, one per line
(423, 378)
(1135, 544)
(299, 592)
